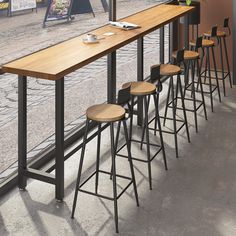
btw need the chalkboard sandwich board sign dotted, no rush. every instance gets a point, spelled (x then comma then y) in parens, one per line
(18, 5)
(63, 9)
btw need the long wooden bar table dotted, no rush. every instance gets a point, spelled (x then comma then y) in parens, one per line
(55, 62)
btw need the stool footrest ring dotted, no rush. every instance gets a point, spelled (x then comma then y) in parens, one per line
(101, 195)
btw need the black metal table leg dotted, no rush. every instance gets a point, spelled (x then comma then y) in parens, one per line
(186, 32)
(162, 45)
(59, 139)
(140, 78)
(111, 78)
(22, 130)
(111, 61)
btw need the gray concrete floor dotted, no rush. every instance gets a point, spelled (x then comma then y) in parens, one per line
(196, 196)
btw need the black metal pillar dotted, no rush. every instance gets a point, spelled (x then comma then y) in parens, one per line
(174, 37)
(234, 45)
(162, 45)
(140, 78)
(22, 130)
(59, 139)
(186, 31)
(111, 61)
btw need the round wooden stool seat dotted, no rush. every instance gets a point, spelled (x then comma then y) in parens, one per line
(140, 88)
(168, 70)
(205, 43)
(105, 113)
(188, 55)
(218, 33)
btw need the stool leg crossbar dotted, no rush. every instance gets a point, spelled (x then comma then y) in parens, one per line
(208, 70)
(173, 95)
(146, 100)
(190, 86)
(114, 145)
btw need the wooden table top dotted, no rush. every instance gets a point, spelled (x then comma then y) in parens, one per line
(59, 60)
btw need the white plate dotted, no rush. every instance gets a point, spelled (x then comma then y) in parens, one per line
(90, 42)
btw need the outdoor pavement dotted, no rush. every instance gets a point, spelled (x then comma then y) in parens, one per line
(23, 34)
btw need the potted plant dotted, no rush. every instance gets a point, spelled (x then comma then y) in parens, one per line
(194, 16)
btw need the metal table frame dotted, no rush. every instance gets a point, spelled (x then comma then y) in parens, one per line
(58, 180)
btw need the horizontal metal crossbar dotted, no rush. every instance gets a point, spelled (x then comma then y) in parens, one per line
(170, 132)
(187, 109)
(138, 159)
(101, 195)
(40, 175)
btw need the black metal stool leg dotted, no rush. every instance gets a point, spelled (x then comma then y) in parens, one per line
(80, 169)
(147, 140)
(98, 157)
(174, 115)
(167, 102)
(114, 176)
(186, 78)
(222, 65)
(200, 67)
(116, 143)
(194, 95)
(156, 99)
(201, 88)
(156, 102)
(209, 74)
(206, 65)
(130, 162)
(144, 127)
(227, 61)
(131, 117)
(215, 68)
(183, 106)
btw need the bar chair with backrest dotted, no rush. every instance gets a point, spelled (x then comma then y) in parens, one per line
(208, 54)
(191, 58)
(145, 90)
(221, 36)
(109, 114)
(173, 72)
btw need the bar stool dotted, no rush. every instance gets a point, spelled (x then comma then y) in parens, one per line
(208, 46)
(145, 90)
(191, 59)
(170, 71)
(107, 113)
(221, 37)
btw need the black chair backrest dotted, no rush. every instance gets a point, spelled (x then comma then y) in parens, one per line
(124, 96)
(214, 31)
(198, 43)
(180, 56)
(226, 23)
(155, 76)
